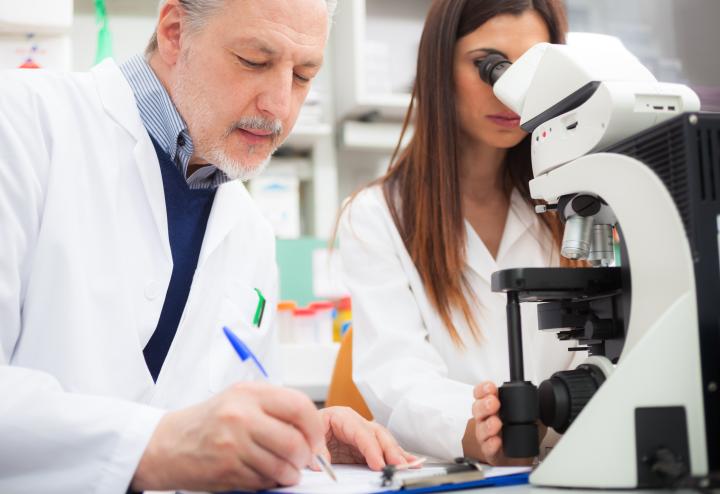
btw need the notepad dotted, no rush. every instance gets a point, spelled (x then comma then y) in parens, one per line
(353, 479)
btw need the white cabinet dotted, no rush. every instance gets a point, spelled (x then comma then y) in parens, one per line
(376, 44)
(308, 368)
(37, 16)
(35, 34)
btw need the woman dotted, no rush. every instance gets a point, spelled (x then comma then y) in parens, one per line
(419, 245)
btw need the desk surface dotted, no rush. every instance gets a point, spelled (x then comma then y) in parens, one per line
(529, 489)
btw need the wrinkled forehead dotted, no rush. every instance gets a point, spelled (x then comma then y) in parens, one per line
(280, 29)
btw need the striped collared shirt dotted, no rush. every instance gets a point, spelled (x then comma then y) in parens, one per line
(164, 123)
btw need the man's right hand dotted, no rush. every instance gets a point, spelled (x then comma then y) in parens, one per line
(252, 436)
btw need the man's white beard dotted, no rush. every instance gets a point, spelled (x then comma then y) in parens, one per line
(235, 169)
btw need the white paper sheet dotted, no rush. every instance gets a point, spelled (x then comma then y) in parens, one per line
(353, 479)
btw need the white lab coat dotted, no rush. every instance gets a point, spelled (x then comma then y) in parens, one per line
(415, 380)
(84, 266)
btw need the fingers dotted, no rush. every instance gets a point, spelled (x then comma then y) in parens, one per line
(488, 425)
(484, 389)
(485, 407)
(492, 449)
(296, 409)
(244, 477)
(282, 440)
(375, 444)
(350, 428)
(269, 466)
(485, 429)
(393, 453)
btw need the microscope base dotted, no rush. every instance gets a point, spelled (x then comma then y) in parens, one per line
(604, 447)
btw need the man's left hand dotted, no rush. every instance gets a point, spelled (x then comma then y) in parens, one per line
(351, 439)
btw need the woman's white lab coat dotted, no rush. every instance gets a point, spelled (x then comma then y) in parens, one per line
(85, 262)
(414, 379)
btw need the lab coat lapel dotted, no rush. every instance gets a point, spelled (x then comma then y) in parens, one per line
(119, 102)
(230, 200)
(521, 218)
(478, 256)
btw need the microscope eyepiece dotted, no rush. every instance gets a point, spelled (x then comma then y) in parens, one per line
(492, 67)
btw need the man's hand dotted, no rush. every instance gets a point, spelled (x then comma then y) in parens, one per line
(252, 436)
(352, 439)
(483, 438)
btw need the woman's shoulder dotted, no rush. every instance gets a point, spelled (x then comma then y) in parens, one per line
(369, 197)
(367, 204)
(366, 214)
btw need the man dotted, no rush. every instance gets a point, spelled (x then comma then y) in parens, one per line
(127, 244)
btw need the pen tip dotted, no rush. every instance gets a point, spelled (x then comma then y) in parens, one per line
(325, 465)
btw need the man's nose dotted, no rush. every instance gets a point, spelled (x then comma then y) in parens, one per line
(275, 96)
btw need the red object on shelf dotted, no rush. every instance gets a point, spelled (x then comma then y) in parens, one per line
(304, 312)
(344, 304)
(29, 64)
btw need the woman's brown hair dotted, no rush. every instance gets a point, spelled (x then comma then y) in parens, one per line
(422, 186)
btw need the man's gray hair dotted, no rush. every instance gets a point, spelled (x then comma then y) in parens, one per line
(199, 11)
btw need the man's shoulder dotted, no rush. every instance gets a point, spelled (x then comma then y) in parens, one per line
(26, 91)
(39, 82)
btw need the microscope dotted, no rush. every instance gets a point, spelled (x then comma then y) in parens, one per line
(627, 163)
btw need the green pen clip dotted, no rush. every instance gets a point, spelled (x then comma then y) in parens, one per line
(260, 310)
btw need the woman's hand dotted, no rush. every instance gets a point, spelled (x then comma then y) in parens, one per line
(483, 436)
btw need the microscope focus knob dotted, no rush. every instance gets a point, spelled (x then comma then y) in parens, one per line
(519, 414)
(565, 394)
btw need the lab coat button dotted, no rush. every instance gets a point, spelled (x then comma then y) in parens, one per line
(152, 290)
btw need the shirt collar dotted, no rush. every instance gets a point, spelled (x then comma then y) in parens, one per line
(164, 123)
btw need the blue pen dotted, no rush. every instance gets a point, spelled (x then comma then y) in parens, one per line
(245, 353)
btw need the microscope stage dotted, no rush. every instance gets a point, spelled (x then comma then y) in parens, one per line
(556, 284)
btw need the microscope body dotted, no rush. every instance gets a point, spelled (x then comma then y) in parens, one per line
(644, 409)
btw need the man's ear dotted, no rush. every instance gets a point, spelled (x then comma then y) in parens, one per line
(169, 30)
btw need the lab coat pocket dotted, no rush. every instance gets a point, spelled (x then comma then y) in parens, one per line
(237, 312)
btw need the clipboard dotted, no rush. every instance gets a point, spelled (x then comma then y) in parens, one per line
(369, 482)
(466, 473)
(458, 484)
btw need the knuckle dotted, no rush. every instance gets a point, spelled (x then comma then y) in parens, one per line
(232, 416)
(224, 442)
(493, 403)
(477, 409)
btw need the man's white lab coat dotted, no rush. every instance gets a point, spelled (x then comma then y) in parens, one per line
(85, 262)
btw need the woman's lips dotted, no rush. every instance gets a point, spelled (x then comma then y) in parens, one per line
(507, 120)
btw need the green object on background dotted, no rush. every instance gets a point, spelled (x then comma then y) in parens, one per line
(104, 45)
(294, 258)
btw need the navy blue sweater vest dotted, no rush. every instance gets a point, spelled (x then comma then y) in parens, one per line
(188, 211)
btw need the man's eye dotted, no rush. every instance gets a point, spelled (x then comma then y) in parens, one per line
(301, 79)
(251, 64)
